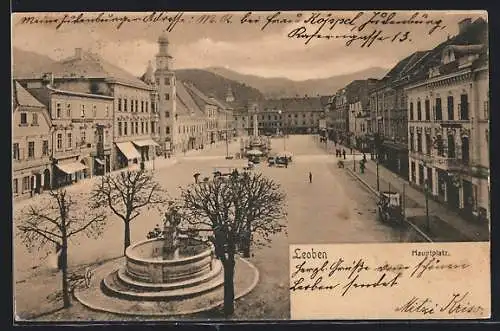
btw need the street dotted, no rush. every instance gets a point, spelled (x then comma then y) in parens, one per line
(334, 208)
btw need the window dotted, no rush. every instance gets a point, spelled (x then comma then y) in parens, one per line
(439, 110)
(119, 128)
(15, 187)
(83, 136)
(142, 106)
(68, 110)
(167, 96)
(82, 111)
(147, 127)
(440, 146)
(451, 110)
(136, 127)
(427, 110)
(26, 183)
(24, 119)
(58, 110)
(419, 142)
(136, 106)
(451, 146)
(157, 81)
(146, 106)
(34, 119)
(45, 148)
(125, 128)
(464, 107)
(69, 141)
(15, 151)
(59, 141)
(419, 111)
(152, 127)
(125, 105)
(167, 81)
(94, 111)
(107, 111)
(167, 114)
(142, 127)
(428, 146)
(131, 106)
(119, 104)
(411, 111)
(31, 149)
(106, 137)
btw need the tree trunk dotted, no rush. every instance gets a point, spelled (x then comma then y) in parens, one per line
(64, 267)
(229, 285)
(126, 241)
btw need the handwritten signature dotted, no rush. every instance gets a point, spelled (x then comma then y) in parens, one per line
(459, 303)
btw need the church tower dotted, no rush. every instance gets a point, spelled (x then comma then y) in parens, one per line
(229, 95)
(165, 81)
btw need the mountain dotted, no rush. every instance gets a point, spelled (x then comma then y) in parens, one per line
(25, 63)
(284, 87)
(211, 83)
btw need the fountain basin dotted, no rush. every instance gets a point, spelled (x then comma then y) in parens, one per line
(151, 275)
(145, 261)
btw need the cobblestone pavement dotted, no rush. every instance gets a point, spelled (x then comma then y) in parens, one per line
(334, 208)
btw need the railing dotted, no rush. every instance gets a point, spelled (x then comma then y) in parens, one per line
(449, 163)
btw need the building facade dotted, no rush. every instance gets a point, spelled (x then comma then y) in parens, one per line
(31, 141)
(449, 130)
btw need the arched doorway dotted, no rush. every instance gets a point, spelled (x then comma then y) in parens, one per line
(46, 179)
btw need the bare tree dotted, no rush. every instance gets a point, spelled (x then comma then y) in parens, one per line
(126, 194)
(56, 220)
(232, 209)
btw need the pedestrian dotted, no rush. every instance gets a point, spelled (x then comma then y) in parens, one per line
(310, 177)
(364, 157)
(343, 153)
(351, 150)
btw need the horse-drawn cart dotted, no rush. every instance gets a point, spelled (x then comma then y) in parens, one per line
(389, 207)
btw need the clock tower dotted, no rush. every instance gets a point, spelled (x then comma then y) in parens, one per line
(165, 82)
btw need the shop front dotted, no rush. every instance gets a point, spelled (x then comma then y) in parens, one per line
(127, 156)
(67, 172)
(146, 148)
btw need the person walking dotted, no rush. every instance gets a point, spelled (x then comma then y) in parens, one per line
(310, 177)
(343, 153)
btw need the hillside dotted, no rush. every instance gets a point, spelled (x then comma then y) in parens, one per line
(211, 83)
(283, 87)
(26, 63)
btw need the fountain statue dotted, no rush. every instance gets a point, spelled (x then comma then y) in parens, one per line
(171, 234)
(170, 266)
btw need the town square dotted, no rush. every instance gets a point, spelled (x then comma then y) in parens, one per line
(174, 193)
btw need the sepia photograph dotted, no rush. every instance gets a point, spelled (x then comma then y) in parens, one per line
(198, 166)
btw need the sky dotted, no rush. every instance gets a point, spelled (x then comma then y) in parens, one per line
(246, 47)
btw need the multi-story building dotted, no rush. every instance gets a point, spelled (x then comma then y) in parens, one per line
(448, 130)
(31, 141)
(358, 124)
(389, 113)
(81, 131)
(91, 76)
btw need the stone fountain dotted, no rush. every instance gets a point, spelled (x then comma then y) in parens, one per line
(171, 266)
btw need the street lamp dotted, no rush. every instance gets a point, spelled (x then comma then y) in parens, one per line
(283, 132)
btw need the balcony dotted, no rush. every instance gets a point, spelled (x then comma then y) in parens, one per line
(451, 164)
(30, 162)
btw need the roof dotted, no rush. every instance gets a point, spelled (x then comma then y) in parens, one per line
(465, 49)
(199, 97)
(24, 98)
(293, 104)
(90, 65)
(186, 104)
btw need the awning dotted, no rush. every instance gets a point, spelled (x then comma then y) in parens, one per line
(145, 142)
(128, 150)
(71, 168)
(101, 162)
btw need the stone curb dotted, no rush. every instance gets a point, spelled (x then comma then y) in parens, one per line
(169, 314)
(377, 194)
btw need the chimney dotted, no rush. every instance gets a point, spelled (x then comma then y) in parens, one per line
(464, 24)
(78, 53)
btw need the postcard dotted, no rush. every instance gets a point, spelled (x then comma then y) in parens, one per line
(285, 165)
